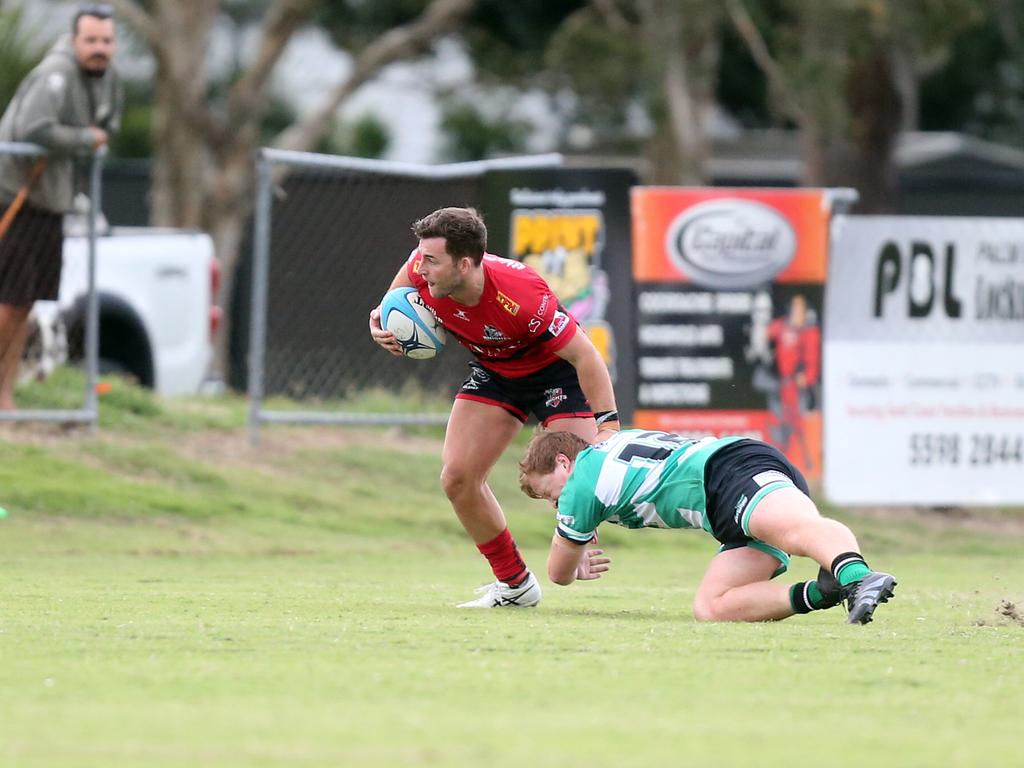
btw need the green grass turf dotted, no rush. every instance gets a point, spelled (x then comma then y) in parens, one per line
(172, 597)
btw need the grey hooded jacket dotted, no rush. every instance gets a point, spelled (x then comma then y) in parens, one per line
(54, 106)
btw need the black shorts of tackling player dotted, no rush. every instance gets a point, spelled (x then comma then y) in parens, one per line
(732, 479)
(551, 393)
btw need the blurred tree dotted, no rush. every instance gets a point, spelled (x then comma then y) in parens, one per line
(471, 135)
(18, 51)
(366, 136)
(204, 147)
(623, 71)
(980, 89)
(135, 139)
(847, 74)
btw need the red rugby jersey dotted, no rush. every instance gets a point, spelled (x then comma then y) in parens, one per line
(517, 326)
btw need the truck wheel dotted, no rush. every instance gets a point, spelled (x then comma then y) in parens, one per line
(124, 346)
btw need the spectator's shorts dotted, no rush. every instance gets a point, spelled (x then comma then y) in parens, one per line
(31, 254)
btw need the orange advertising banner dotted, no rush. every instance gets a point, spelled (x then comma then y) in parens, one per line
(724, 222)
(730, 284)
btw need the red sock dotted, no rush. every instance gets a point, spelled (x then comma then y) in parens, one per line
(503, 555)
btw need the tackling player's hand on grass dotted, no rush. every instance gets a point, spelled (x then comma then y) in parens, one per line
(592, 565)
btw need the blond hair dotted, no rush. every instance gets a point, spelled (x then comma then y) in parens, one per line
(539, 458)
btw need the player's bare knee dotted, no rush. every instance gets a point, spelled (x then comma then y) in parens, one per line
(793, 540)
(456, 481)
(703, 609)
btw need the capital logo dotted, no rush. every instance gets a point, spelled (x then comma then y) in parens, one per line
(510, 306)
(730, 243)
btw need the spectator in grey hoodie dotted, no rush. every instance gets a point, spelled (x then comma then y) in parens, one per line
(71, 105)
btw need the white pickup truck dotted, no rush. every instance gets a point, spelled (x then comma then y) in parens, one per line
(156, 291)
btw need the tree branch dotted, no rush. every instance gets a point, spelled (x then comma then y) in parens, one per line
(762, 57)
(400, 43)
(281, 21)
(152, 32)
(611, 14)
(136, 17)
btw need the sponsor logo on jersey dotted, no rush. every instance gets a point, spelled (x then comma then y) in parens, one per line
(567, 520)
(740, 506)
(461, 314)
(554, 397)
(771, 476)
(534, 324)
(545, 300)
(416, 265)
(510, 306)
(558, 323)
(493, 334)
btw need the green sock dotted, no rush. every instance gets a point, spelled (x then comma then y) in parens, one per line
(849, 567)
(815, 595)
(805, 596)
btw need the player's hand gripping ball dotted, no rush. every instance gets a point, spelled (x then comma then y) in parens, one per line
(403, 312)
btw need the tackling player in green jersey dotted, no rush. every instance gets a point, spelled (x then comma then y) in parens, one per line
(743, 492)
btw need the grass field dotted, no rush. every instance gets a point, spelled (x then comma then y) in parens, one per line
(172, 597)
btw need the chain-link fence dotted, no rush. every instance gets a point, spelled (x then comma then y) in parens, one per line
(32, 267)
(329, 235)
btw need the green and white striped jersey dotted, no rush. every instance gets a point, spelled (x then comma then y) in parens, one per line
(638, 479)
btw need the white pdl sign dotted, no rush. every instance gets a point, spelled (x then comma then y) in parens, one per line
(924, 361)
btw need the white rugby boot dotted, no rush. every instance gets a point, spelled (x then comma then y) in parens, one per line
(501, 595)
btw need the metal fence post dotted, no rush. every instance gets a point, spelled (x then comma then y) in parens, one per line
(92, 328)
(258, 316)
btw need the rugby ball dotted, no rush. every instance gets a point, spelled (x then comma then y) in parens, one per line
(403, 312)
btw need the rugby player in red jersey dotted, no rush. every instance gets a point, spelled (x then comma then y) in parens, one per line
(531, 357)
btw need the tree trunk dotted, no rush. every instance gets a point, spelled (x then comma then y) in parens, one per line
(686, 36)
(204, 157)
(876, 116)
(180, 162)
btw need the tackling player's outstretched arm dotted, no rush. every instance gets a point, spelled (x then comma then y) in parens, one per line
(568, 562)
(594, 380)
(383, 338)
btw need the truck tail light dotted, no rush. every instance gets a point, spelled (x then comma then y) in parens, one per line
(215, 311)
